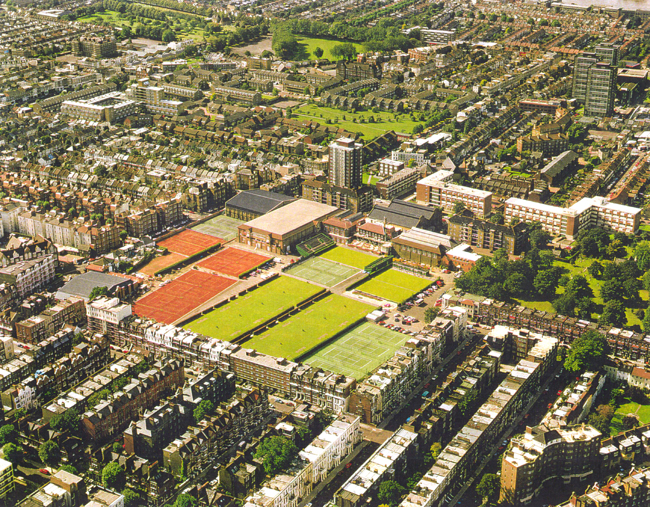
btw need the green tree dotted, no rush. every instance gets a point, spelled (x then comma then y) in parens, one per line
(458, 207)
(430, 314)
(97, 292)
(489, 486)
(12, 452)
(185, 500)
(613, 314)
(131, 498)
(168, 36)
(435, 450)
(50, 453)
(546, 282)
(642, 255)
(345, 51)
(7, 434)
(390, 493)
(276, 453)
(113, 476)
(117, 448)
(612, 290)
(466, 404)
(206, 407)
(646, 321)
(497, 218)
(318, 52)
(588, 352)
(70, 469)
(69, 421)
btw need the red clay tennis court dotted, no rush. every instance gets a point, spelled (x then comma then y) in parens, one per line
(233, 261)
(172, 301)
(189, 242)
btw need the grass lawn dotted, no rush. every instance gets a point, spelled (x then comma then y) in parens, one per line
(643, 411)
(349, 257)
(370, 180)
(394, 285)
(306, 330)
(310, 44)
(244, 313)
(580, 268)
(351, 121)
(359, 351)
(322, 271)
(114, 18)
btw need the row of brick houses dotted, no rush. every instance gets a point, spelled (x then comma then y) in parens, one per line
(111, 417)
(623, 342)
(312, 385)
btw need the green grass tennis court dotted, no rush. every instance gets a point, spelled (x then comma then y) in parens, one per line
(309, 328)
(358, 352)
(349, 257)
(251, 309)
(322, 271)
(394, 285)
(220, 226)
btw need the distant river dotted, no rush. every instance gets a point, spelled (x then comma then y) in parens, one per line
(623, 4)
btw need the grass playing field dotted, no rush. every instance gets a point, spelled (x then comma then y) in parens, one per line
(349, 257)
(311, 327)
(381, 121)
(642, 411)
(249, 310)
(394, 285)
(358, 352)
(310, 44)
(322, 271)
(220, 226)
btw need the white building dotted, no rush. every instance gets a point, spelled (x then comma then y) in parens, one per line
(6, 478)
(30, 275)
(438, 190)
(314, 464)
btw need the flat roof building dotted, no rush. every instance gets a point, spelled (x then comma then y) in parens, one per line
(280, 230)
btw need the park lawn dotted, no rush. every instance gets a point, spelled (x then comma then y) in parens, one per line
(112, 18)
(252, 309)
(580, 268)
(370, 180)
(394, 285)
(309, 328)
(349, 257)
(350, 121)
(310, 44)
(643, 411)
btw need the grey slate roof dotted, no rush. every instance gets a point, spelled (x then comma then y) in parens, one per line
(258, 201)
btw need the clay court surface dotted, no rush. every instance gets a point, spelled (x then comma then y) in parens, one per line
(189, 242)
(233, 261)
(173, 301)
(152, 267)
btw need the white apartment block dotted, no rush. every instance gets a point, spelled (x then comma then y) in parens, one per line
(108, 310)
(388, 167)
(6, 478)
(315, 462)
(30, 275)
(587, 213)
(437, 190)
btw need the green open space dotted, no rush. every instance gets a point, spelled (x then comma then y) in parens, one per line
(383, 120)
(310, 328)
(358, 352)
(118, 20)
(368, 179)
(394, 285)
(642, 411)
(322, 271)
(348, 257)
(252, 309)
(220, 226)
(580, 268)
(112, 18)
(310, 44)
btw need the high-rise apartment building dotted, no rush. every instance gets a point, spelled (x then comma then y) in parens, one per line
(345, 163)
(594, 80)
